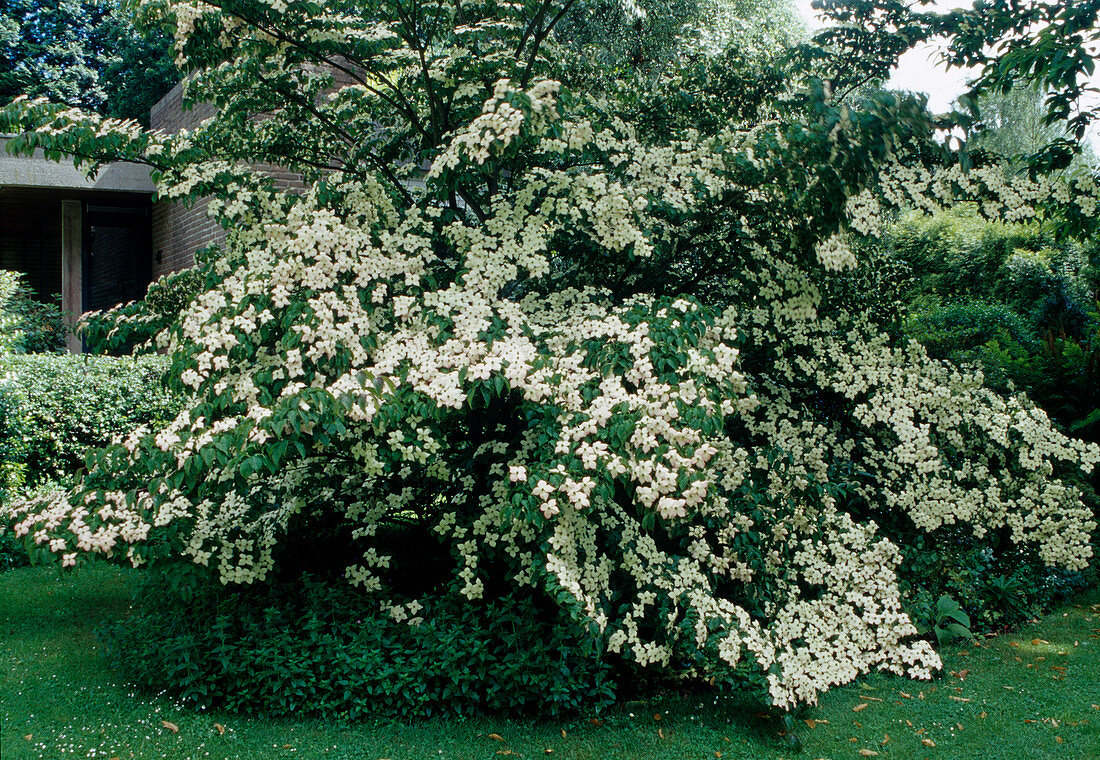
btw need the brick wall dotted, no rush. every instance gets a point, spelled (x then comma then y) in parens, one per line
(178, 230)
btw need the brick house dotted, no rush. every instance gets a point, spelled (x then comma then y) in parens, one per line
(98, 243)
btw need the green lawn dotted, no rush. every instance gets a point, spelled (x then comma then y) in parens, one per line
(1031, 695)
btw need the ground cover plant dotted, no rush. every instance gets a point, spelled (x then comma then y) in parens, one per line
(1027, 694)
(598, 348)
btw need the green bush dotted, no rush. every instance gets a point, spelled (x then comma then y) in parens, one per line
(136, 324)
(56, 407)
(309, 647)
(955, 331)
(993, 580)
(959, 255)
(27, 326)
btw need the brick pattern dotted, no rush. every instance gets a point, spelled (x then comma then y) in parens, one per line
(178, 230)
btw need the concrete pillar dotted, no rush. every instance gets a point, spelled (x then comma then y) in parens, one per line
(72, 281)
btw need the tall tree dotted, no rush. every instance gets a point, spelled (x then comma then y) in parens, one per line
(83, 53)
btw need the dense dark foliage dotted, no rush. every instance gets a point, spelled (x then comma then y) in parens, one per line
(313, 647)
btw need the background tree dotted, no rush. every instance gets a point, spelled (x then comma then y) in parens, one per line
(84, 53)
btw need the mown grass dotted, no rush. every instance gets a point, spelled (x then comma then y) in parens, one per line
(1034, 694)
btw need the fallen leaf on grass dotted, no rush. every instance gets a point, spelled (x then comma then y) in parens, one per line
(885, 739)
(595, 722)
(928, 742)
(983, 715)
(1037, 642)
(288, 746)
(868, 753)
(860, 706)
(907, 696)
(220, 729)
(660, 734)
(1059, 668)
(1029, 720)
(563, 734)
(1059, 739)
(957, 699)
(811, 723)
(496, 737)
(507, 752)
(170, 726)
(963, 674)
(28, 737)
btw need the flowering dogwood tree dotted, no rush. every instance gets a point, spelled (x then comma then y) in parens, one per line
(602, 346)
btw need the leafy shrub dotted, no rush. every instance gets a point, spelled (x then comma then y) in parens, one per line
(588, 352)
(957, 254)
(952, 622)
(12, 552)
(26, 324)
(309, 647)
(955, 330)
(994, 582)
(56, 407)
(135, 324)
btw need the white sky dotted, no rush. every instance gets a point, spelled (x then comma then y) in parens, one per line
(921, 70)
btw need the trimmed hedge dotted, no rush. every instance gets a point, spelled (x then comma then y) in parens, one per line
(57, 406)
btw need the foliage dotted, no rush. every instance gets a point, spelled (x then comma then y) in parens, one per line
(72, 700)
(1010, 298)
(27, 325)
(951, 621)
(954, 331)
(1047, 46)
(609, 44)
(139, 322)
(57, 407)
(313, 648)
(83, 53)
(601, 347)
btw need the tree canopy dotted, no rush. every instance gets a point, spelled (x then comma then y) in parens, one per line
(84, 53)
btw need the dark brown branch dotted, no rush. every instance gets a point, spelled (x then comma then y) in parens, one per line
(539, 37)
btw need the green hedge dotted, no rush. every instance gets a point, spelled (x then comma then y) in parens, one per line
(57, 406)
